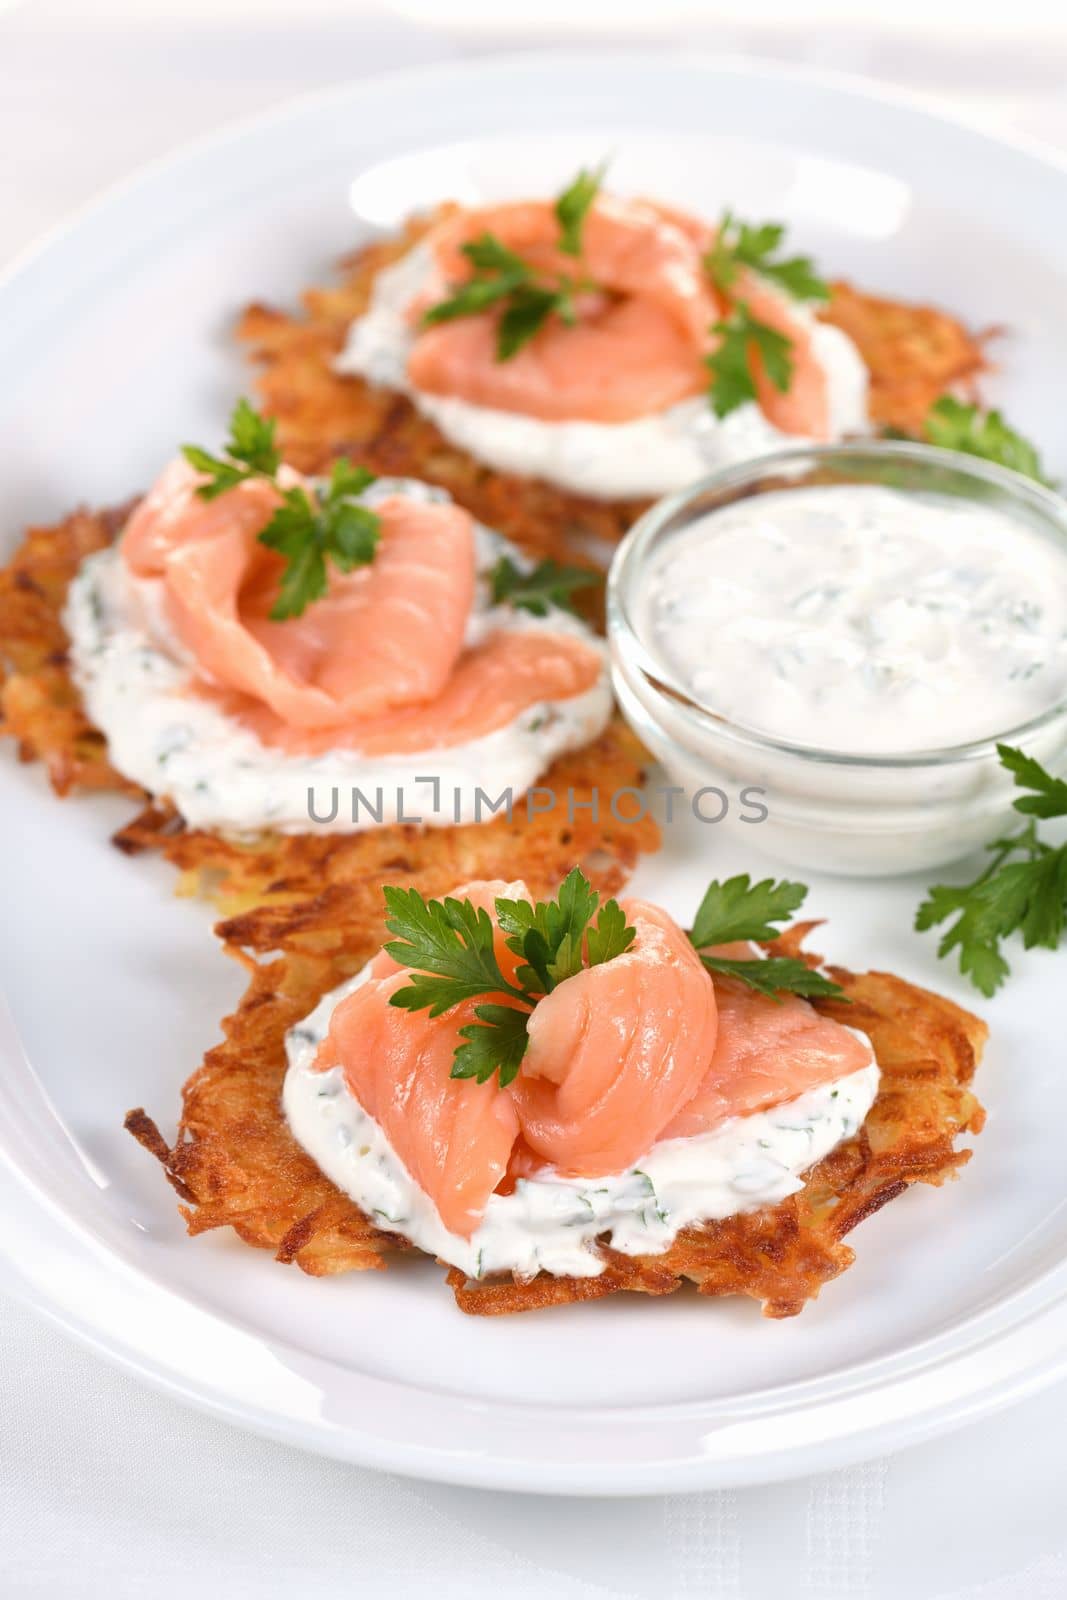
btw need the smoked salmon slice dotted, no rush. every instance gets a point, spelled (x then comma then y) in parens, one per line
(617, 1050)
(803, 408)
(639, 342)
(492, 684)
(385, 635)
(641, 338)
(453, 1135)
(172, 515)
(766, 1052)
(379, 664)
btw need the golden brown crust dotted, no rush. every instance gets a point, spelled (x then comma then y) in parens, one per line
(39, 704)
(913, 354)
(235, 1157)
(41, 709)
(235, 1163)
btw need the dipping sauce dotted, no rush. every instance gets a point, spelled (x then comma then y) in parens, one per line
(862, 619)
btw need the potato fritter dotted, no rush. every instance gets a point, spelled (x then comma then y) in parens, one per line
(913, 353)
(235, 1163)
(41, 709)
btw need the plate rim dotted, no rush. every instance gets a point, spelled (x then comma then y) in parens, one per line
(861, 86)
(420, 1460)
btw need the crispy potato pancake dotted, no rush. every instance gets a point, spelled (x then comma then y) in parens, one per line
(913, 353)
(41, 709)
(234, 1162)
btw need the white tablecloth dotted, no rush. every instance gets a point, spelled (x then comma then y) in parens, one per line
(108, 1490)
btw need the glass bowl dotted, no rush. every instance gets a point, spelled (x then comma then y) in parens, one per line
(835, 810)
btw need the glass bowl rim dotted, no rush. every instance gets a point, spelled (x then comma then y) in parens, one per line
(627, 563)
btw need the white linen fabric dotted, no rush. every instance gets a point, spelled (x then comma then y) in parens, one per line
(107, 1489)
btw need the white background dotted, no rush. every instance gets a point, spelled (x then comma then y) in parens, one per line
(106, 1489)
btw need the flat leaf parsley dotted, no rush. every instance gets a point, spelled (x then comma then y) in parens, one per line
(742, 910)
(527, 299)
(250, 452)
(546, 585)
(953, 425)
(449, 945)
(308, 529)
(745, 339)
(1023, 889)
(744, 244)
(572, 208)
(742, 338)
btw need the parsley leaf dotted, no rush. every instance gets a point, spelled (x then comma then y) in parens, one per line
(548, 936)
(774, 975)
(1022, 890)
(1049, 798)
(495, 1043)
(252, 439)
(250, 452)
(953, 425)
(743, 338)
(502, 278)
(610, 935)
(487, 253)
(573, 206)
(743, 244)
(449, 945)
(499, 273)
(742, 910)
(529, 309)
(547, 584)
(307, 532)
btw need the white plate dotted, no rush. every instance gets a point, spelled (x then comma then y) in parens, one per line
(115, 345)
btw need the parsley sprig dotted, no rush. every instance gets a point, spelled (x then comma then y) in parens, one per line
(449, 947)
(251, 451)
(573, 205)
(739, 909)
(1022, 890)
(742, 337)
(954, 425)
(307, 530)
(753, 245)
(546, 585)
(502, 278)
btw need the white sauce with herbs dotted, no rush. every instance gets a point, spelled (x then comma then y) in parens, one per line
(136, 681)
(606, 460)
(550, 1223)
(862, 619)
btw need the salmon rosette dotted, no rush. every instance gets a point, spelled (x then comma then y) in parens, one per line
(607, 1086)
(609, 346)
(270, 652)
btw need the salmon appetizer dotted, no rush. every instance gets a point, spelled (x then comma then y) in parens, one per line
(608, 346)
(564, 1098)
(266, 651)
(555, 364)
